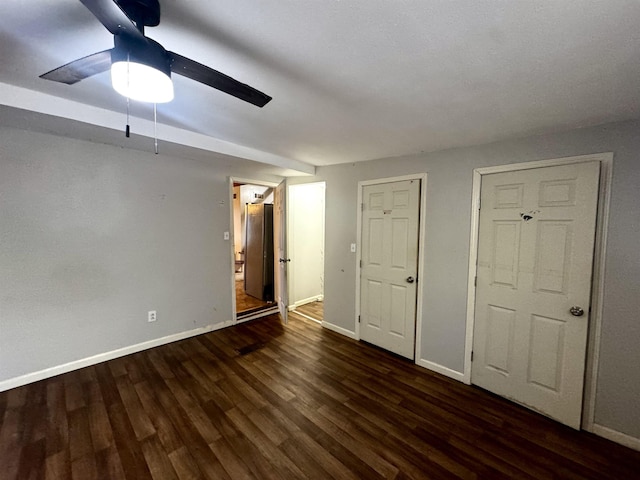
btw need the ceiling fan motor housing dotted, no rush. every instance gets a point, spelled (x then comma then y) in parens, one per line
(149, 53)
(140, 67)
(141, 70)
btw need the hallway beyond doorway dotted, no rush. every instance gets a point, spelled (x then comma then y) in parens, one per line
(313, 311)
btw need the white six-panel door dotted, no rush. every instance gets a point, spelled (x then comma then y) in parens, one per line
(389, 254)
(535, 256)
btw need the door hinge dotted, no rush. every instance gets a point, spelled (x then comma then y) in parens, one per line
(480, 203)
(358, 318)
(362, 207)
(472, 355)
(360, 263)
(475, 281)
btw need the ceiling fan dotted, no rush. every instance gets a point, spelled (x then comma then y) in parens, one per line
(140, 67)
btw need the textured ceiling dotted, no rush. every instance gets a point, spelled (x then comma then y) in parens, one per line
(351, 80)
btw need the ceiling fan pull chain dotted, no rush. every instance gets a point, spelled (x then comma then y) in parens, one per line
(127, 130)
(155, 126)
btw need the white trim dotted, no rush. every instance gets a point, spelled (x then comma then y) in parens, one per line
(615, 436)
(308, 317)
(258, 314)
(421, 249)
(340, 330)
(401, 178)
(597, 296)
(232, 241)
(300, 303)
(553, 162)
(358, 257)
(593, 342)
(436, 367)
(104, 357)
(471, 287)
(422, 177)
(244, 181)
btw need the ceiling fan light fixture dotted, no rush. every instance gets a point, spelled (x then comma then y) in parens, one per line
(145, 73)
(141, 82)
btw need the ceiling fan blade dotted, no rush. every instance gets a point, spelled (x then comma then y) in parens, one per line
(80, 69)
(203, 74)
(113, 18)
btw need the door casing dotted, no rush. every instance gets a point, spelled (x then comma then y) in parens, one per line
(422, 177)
(232, 257)
(593, 340)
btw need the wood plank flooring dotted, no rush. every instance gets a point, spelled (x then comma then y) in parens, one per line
(313, 310)
(246, 303)
(266, 401)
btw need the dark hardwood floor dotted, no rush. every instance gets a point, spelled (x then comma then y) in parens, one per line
(246, 303)
(313, 310)
(261, 400)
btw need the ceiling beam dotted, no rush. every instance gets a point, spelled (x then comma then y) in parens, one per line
(22, 98)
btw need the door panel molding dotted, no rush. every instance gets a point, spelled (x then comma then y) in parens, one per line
(593, 341)
(422, 177)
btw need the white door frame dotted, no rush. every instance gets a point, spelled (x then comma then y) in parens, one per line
(421, 234)
(291, 243)
(597, 292)
(234, 310)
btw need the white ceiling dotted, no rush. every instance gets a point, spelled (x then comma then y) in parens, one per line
(351, 80)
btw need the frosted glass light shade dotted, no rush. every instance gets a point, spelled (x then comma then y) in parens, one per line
(141, 82)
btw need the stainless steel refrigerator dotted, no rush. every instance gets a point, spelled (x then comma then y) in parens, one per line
(258, 267)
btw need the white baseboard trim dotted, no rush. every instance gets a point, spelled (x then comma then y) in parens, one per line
(340, 330)
(103, 357)
(615, 436)
(259, 314)
(299, 303)
(435, 367)
(308, 317)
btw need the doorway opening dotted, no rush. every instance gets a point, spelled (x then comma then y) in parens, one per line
(305, 248)
(295, 244)
(252, 249)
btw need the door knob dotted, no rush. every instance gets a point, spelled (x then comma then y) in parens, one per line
(284, 260)
(576, 311)
(410, 279)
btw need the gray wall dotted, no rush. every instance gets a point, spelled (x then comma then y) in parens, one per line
(448, 222)
(94, 236)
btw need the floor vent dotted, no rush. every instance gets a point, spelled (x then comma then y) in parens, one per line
(250, 348)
